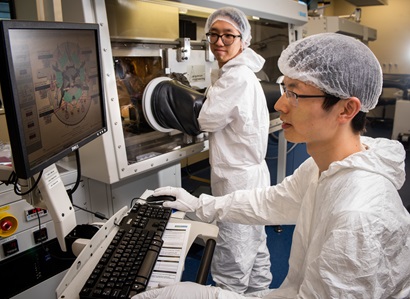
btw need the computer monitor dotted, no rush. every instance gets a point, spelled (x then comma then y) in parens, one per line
(52, 88)
(51, 81)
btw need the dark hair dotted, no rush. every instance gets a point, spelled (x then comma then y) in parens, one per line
(358, 122)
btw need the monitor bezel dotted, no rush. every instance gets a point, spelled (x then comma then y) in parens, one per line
(21, 163)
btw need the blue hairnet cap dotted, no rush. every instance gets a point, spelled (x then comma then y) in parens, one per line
(236, 18)
(336, 64)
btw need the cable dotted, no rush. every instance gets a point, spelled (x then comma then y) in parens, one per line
(77, 181)
(71, 191)
(96, 214)
(47, 250)
(13, 179)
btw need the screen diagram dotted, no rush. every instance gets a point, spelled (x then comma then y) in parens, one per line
(57, 80)
(70, 80)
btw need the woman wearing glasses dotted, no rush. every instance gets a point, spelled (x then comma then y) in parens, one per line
(236, 116)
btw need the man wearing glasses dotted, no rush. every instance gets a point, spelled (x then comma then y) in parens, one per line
(352, 232)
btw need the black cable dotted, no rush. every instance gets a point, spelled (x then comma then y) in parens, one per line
(46, 249)
(77, 182)
(96, 214)
(14, 179)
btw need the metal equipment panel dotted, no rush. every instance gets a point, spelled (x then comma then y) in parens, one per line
(339, 25)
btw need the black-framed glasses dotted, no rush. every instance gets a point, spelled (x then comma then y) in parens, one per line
(227, 39)
(293, 96)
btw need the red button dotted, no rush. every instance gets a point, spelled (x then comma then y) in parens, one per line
(6, 225)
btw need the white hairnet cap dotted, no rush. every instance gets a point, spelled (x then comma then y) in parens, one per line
(336, 64)
(236, 18)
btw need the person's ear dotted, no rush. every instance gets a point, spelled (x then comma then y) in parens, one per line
(351, 107)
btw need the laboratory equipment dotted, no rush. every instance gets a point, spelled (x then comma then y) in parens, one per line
(340, 25)
(54, 104)
(132, 147)
(168, 104)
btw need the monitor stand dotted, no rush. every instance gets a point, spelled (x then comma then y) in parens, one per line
(58, 203)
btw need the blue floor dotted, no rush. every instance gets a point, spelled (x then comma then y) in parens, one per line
(279, 241)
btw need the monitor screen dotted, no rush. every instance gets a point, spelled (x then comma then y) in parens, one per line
(52, 87)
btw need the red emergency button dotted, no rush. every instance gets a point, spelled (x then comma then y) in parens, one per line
(8, 225)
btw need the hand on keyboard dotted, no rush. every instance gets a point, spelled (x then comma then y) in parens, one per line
(188, 290)
(184, 202)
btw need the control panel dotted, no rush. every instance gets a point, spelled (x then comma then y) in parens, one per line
(28, 238)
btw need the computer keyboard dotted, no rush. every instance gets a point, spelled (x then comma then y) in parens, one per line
(126, 265)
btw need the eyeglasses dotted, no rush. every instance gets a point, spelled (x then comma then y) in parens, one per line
(293, 96)
(227, 39)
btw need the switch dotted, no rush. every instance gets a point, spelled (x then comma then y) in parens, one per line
(40, 235)
(10, 247)
(35, 213)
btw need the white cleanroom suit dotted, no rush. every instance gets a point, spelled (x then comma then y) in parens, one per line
(352, 233)
(236, 116)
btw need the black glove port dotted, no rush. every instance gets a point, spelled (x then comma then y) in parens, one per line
(272, 94)
(177, 106)
(173, 105)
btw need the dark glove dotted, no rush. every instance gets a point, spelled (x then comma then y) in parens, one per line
(272, 94)
(176, 106)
